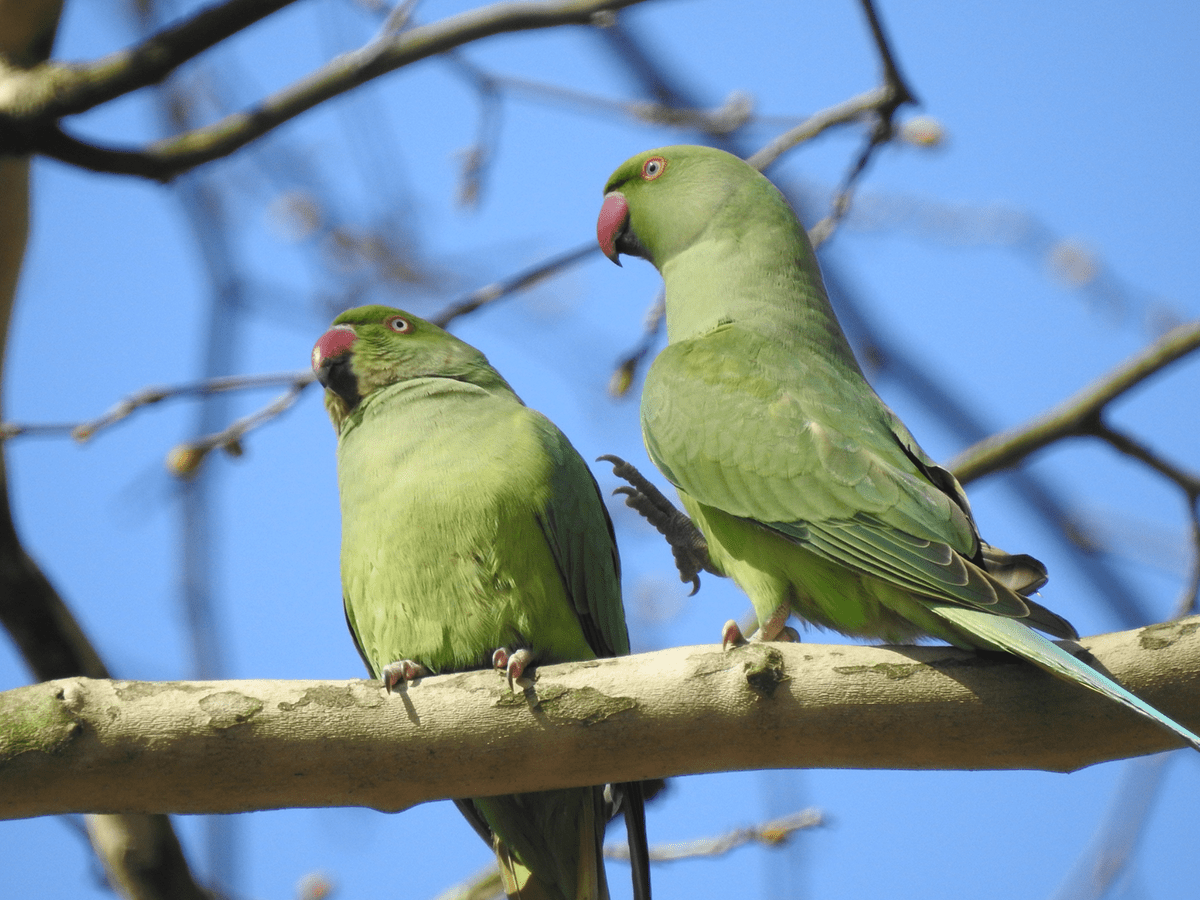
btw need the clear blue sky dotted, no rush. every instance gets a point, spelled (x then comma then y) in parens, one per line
(1076, 116)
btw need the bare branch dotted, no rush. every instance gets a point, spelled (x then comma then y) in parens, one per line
(165, 159)
(185, 459)
(485, 884)
(1186, 481)
(1190, 594)
(1078, 415)
(846, 113)
(84, 431)
(882, 103)
(883, 132)
(775, 833)
(203, 747)
(52, 90)
(497, 290)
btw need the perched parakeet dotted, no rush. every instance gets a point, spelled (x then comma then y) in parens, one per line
(473, 535)
(811, 493)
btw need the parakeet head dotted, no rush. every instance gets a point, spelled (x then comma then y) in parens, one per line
(663, 201)
(371, 347)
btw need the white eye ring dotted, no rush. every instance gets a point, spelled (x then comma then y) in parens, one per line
(653, 167)
(399, 324)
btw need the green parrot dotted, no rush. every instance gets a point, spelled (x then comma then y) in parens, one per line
(810, 492)
(473, 535)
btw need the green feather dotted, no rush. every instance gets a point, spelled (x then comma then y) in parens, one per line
(470, 523)
(811, 493)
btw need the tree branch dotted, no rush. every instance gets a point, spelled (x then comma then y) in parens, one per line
(231, 746)
(1076, 415)
(33, 112)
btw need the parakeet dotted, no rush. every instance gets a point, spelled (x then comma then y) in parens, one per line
(810, 492)
(474, 535)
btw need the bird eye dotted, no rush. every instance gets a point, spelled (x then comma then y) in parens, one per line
(399, 324)
(653, 167)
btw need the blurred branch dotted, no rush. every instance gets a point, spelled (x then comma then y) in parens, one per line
(1068, 260)
(880, 104)
(775, 834)
(898, 95)
(1190, 594)
(1077, 416)
(84, 431)
(140, 854)
(51, 90)
(95, 745)
(521, 281)
(626, 370)
(485, 884)
(30, 115)
(185, 459)
(1115, 841)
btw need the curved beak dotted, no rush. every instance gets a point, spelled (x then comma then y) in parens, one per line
(331, 363)
(612, 225)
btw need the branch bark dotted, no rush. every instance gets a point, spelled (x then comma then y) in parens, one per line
(77, 744)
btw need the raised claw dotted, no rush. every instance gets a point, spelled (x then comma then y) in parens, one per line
(688, 545)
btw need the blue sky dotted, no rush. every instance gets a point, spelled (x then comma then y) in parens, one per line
(1073, 115)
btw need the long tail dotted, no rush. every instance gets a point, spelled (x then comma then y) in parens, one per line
(631, 800)
(1017, 638)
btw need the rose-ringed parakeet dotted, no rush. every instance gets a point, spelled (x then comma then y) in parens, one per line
(474, 535)
(810, 492)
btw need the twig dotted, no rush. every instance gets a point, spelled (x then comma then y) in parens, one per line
(735, 112)
(497, 290)
(848, 112)
(1186, 481)
(83, 431)
(185, 459)
(485, 883)
(898, 94)
(626, 370)
(1190, 594)
(775, 834)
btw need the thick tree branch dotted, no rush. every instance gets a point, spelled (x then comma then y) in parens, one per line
(53, 89)
(231, 746)
(32, 113)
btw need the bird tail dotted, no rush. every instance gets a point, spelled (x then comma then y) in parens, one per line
(1001, 633)
(522, 883)
(518, 881)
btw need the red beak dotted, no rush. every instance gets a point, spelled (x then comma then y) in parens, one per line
(614, 219)
(334, 343)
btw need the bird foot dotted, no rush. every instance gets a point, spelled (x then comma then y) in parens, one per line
(512, 664)
(731, 635)
(688, 545)
(772, 630)
(401, 672)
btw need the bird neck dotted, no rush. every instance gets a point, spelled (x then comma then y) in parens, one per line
(768, 283)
